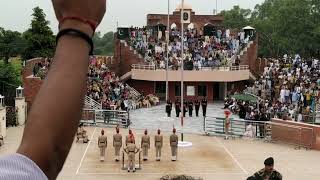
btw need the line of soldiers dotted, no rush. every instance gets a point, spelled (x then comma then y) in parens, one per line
(187, 106)
(131, 148)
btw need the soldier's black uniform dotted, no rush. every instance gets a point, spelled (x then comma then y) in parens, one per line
(185, 104)
(197, 107)
(178, 110)
(204, 104)
(190, 108)
(169, 108)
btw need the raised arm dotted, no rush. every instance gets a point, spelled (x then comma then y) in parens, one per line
(55, 114)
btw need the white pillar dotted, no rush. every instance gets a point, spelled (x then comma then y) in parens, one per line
(3, 122)
(21, 107)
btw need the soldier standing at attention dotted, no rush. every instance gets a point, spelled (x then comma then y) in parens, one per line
(169, 108)
(145, 145)
(158, 142)
(178, 110)
(204, 104)
(190, 107)
(117, 144)
(174, 145)
(129, 137)
(197, 107)
(268, 172)
(185, 104)
(131, 151)
(102, 144)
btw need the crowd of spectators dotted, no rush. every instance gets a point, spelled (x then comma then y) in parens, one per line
(40, 69)
(289, 89)
(104, 86)
(200, 51)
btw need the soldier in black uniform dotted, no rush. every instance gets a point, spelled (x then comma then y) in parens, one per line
(185, 105)
(169, 108)
(197, 106)
(204, 104)
(177, 105)
(190, 108)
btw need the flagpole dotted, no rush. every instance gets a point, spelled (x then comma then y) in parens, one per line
(167, 65)
(182, 68)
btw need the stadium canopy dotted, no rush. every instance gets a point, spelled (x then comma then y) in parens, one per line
(248, 28)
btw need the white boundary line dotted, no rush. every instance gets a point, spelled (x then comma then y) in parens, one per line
(85, 152)
(231, 155)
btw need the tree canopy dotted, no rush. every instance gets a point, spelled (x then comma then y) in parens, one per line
(103, 45)
(11, 44)
(284, 26)
(40, 38)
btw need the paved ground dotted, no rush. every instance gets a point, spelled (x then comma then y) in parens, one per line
(155, 117)
(209, 157)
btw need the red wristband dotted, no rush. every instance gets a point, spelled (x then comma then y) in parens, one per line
(91, 23)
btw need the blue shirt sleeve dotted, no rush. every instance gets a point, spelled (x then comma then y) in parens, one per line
(20, 167)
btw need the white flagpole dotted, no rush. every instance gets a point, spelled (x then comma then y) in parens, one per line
(182, 68)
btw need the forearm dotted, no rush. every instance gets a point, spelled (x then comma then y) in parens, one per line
(61, 97)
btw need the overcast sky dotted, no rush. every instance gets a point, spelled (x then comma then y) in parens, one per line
(16, 14)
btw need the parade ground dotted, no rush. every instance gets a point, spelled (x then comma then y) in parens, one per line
(209, 157)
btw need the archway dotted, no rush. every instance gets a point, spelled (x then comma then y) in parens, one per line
(209, 29)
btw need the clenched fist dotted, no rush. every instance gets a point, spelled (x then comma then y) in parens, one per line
(92, 10)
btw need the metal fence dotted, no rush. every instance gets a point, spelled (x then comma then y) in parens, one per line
(219, 68)
(105, 117)
(238, 127)
(299, 136)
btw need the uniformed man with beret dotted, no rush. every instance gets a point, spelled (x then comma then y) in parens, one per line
(117, 144)
(204, 104)
(197, 107)
(129, 137)
(190, 107)
(268, 172)
(131, 150)
(174, 145)
(169, 108)
(177, 106)
(158, 142)
(102, 144)
(145, 145)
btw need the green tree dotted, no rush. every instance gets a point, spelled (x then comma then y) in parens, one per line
(40, 38)
(283, 26)
(236, 18)
(103, 45)
(11, 44)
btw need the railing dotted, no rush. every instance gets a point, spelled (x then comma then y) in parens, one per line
(222, 68)
(298, 136)
(143, 67)
(133, 91)
(91, 103)
(238, 127)
(106, 117)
